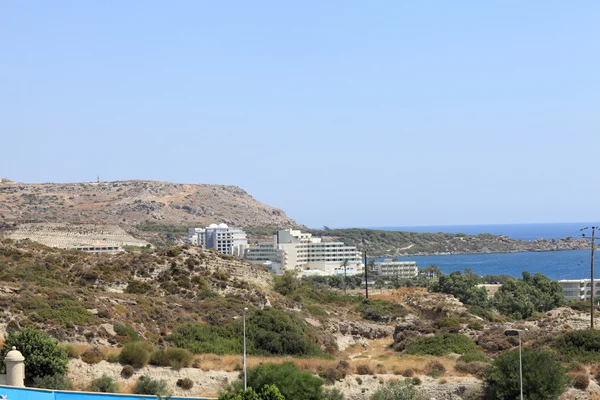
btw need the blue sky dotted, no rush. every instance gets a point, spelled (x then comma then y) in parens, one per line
(343, 113)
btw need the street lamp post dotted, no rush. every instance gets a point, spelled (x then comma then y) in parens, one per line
(245, 381)
(518, 332)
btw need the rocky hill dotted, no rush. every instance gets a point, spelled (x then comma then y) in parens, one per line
(134, 203)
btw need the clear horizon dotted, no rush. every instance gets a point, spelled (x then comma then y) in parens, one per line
(339, 113)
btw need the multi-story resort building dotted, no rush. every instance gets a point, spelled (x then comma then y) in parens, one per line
(579, 288)
(295, 250)
(400, 269)
(226, 240)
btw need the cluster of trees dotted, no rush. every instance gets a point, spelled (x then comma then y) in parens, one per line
(270, 332)
(516, 298)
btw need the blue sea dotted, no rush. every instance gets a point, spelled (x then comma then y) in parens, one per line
(574, 264)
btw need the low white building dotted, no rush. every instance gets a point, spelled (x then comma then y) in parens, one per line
(400, 269)
(226, 240)
(579, 288)
(294, 250)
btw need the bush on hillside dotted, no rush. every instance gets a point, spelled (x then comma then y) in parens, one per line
(72, 350)
(126, 333)
(171, 357)
(581, 381)
(364, 369)
(269, 332)
(448, 324)
(582, 345)
(55, 382)
(381, 310)
(441, 344)
(92, 356)
(475, 368)
(127, 372)
(185, 383)
(435, 368)
(147, 385)
(268, 392)
(543, 377)
(398, 390)
(136, 354)
(104, 384)
(293, 383)
(43, 356)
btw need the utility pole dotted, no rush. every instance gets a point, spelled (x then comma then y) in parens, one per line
(366, 277)
(593, 289)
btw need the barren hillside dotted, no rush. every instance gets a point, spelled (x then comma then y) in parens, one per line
(134, 203)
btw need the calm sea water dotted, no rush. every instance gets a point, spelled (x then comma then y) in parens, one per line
(573, 264)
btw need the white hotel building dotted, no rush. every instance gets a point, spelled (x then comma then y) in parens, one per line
(226, 240)
(579, 288)
(400, 269)
(294, 250)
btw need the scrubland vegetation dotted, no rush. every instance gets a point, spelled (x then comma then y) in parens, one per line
(182, 308)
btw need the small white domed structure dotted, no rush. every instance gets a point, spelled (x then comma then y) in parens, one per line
(223, 226)
(15, 368)
(213, 226)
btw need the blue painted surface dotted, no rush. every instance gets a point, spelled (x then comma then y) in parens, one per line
(13, 393)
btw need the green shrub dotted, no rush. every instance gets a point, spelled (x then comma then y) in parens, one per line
(582, 345)
(185, 383)
(381, 310)
(579, 305)
(171, 357)
(364, 369)
(435, 368)
(475, 325)
(315, 310)
(581, 381)
(92, 356)
(268, 392)
(292, 382)
(66, 311)
(147, 385)
(136, 354)
(43, 356)
(104, 384)
(127, 372)
(126, 333)
(442, 344)
(450, 324)
(56, 382)
(543, 377)
(475, 356)
(137, 287)
(475, 368)
(269, 332)
(72, 350)
(331, 375)
(398, 390)
(112, 358)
